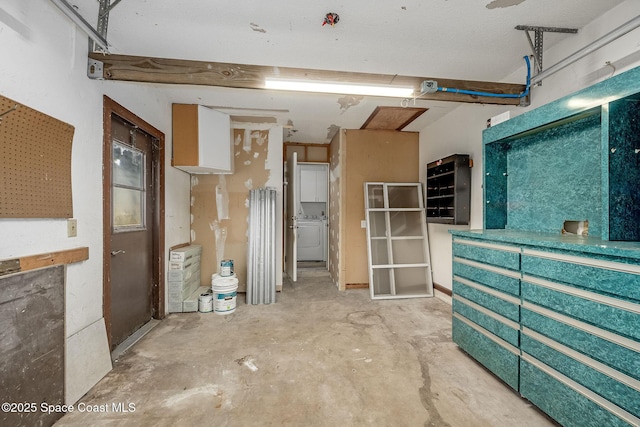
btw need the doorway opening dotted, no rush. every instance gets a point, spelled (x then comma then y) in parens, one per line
(133, 223)
(306, 207)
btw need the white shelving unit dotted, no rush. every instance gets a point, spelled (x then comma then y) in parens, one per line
(398, 249)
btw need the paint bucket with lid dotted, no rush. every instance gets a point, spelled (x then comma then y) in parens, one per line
(205, 302)
(225, 293)
(226, 268)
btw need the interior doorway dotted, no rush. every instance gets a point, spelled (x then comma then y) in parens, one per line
(133, 222)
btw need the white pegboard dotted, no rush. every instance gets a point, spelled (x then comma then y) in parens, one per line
(35, 163)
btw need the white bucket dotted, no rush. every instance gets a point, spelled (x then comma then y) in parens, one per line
(225, 292)
(205, 303)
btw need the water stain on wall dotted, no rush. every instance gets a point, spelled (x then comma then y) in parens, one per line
(332, 131)
(349, 101)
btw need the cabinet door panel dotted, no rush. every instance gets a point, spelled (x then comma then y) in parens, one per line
(307, 184)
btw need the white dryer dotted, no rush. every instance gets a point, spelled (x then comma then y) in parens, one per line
(311, 240)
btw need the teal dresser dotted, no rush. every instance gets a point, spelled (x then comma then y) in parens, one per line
(557, 316)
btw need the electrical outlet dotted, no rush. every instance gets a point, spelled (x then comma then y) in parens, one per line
(363, 223)
(72, 227)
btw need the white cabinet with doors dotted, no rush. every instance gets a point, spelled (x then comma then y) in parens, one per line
(314, 179)
(202, 140)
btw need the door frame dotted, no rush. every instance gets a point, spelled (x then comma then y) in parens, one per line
(158, 173)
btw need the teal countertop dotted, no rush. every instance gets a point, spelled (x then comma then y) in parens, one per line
(567, 242)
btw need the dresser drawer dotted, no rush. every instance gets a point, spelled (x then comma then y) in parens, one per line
(488, 253)
(617, 388)
(492, 322)
(566, 401)
(496, 355)
(498, 302)
(494, 277)
(614, 278)
(604, 312)
(621, 354)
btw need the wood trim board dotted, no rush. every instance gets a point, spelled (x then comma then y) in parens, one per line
(32, 262)
(245, 76)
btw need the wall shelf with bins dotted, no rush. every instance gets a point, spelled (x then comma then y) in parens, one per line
(448, 191)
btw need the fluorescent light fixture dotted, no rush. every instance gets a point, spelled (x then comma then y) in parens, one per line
(586, 103)
(77, 19)
(345, 88)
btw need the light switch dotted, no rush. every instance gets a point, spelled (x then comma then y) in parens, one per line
(72, 227)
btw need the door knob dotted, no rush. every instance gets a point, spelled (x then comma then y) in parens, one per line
(119, 251)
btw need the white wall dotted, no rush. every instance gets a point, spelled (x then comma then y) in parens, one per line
(43, 66)
(460, 132)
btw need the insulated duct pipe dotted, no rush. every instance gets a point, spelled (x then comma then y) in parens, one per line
(602, 41)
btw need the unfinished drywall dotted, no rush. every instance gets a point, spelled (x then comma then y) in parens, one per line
(369, 156)
(335, 202)
(220, 203)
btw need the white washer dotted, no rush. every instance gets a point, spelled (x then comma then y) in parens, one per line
(310, 240)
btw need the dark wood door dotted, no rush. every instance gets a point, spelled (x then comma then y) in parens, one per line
(131, 240)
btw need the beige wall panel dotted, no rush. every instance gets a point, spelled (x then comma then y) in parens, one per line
(250, 153)
(370, 155)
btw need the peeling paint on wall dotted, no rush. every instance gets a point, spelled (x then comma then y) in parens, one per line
(193, 235)
(247, 162)
(349, 101)
(334, 174)
(249, 184)
(194, 180)
(332, 131)
(246, 143)
(259, 137)
(193, 200)
(495, 4)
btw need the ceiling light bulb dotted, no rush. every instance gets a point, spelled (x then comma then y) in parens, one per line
(343, 88)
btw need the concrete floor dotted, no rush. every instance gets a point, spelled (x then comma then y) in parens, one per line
(317, 357)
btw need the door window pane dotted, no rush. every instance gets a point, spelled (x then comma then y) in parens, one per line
(128, 166)
(128, 187)
(127, 207)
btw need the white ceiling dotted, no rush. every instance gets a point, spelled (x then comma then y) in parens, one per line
(456, 39)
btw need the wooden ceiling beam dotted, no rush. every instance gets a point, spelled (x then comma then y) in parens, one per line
(244, 76)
